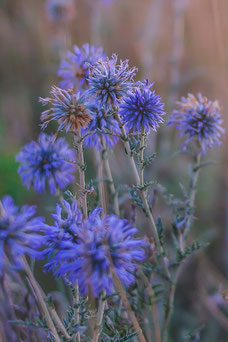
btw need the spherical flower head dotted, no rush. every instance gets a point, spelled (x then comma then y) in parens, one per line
(47, 161)
(69, 109)
(19, 232)
(110, 81)
(74, 70)
(107, 244)
(60, 10)
(142, 109)
(68, 219)
(200, 120)
(102, 121)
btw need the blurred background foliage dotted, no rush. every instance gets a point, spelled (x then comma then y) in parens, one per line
(182, 46)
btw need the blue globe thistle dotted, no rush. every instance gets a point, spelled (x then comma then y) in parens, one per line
(199, 119)
(110, 81)
(104, 242)
(69, 109)
(68, 219)
(47, 161)
(142, 109)
(19, 232)
(75, 69)
(102, 121)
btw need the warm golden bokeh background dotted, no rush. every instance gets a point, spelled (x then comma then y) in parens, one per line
(182, 46)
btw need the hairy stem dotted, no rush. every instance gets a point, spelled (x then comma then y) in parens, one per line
(83, 195)
(182, 239)
(101, 184)
(43, 306)
(110, 178)
(100, 314)
(77, 316)
(143, 194)
(127, 305)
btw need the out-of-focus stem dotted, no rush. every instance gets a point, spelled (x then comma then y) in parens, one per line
(110, 178)
(154, 306)
(77, 316)
(182, 238)
(100, 314)
(40, 300)
(83, 194)
(101, 183)
(127, 305)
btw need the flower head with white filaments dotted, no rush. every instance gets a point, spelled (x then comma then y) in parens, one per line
(200, 120)
(110, 81)
(104, 243)
(142, 109)
(69, 109)
(19, 232)
(46, 162)
(102, 121)
(74, 70)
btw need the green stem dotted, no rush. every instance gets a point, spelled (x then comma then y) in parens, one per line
(181, 240)
(110, 178)
(101, 184)
(100, 315)
(43, 306)
(83, 194)
(138, 180)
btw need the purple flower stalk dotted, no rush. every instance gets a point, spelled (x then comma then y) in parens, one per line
(103, 243)
(199, 119)
(46, 162)
(110, 81)
(19, 232)
(142, 109)
(70, 110)
(74, 70)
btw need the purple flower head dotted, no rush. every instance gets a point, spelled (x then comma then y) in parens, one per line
(104, 243)
(75, 69)
(199, 119)
(46, 162)
(67, 222)
(69, 109)
(110, 81)
(19, 232)
(104, 121)
(142, 109)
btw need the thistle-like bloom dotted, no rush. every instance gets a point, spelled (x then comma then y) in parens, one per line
(67, 222)
(199, 119)
(142, 109)
(102, 121)
(46, 161)
(110, 81)
(19, 232)
(69, 109)
(106, 244)
(75, 69)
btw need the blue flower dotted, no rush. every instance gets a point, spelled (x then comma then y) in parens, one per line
(75, 69)
(142, 109)
(46, 161)
(199, 119)
(104, 243)
(102, 121)
(19, 232)
(67, 221)
(69, 109)
(110, 81)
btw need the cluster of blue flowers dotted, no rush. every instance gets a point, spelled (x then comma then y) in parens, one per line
(94, 91)
(89, 250)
